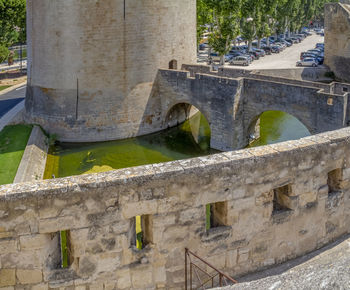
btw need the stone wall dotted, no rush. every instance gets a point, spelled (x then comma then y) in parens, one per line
(309, 178)
(337, 39)
(91, 64)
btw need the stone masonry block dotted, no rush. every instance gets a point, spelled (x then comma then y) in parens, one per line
(29, 276)
(139, 208)
(159, 275)
(142, 277)
(8, 246)
(40, 287)
(7, 277)
(33, 242)
(123, 279)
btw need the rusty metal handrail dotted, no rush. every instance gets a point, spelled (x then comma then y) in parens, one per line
(222, 275)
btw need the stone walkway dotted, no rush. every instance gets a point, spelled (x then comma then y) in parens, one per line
(327, 268)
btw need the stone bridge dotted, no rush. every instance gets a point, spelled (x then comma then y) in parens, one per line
(233, 100)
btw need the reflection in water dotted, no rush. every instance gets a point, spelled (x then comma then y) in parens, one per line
(277, 126)
(68, 159)
(190, 139)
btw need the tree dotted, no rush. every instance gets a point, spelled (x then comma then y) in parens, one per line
(225, 15)
(4, 53)
(12, 21)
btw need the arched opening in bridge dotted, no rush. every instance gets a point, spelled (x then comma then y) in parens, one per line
(173, 64)
(192, 123)
(275, 126)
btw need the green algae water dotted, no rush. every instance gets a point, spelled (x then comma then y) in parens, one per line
(190, 139)
(277, 126)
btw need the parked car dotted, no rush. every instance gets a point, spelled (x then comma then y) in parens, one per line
(253, 53)
(307, 62)
(240, 60)
(307, 55)
(203, 46)
(240, 53)
(267, 49)
(295, 39)
(320, 45)
(216, 57)
(315, 51)
(276, 49)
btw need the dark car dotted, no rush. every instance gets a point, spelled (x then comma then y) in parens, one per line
(267, 49)
(276, 49)
(307, 55)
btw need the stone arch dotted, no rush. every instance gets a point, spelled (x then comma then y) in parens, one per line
(179, 112)
(253, 125)
(173, 64)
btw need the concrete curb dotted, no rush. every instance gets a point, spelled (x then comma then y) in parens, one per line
(33, 162)
(10, 115)
(12, 88)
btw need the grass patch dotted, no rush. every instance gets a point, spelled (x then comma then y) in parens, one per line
(13, 141)
(4, 87)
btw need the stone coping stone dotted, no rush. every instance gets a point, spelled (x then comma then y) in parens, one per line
(147, 173)
(33, 163)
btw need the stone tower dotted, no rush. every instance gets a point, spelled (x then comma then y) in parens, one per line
(92, 63)
(337, 39)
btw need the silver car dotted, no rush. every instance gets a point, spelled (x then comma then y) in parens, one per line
(307, 62)
(240, 60)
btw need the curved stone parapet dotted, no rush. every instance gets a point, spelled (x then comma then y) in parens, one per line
(91, 64)
(272, 203)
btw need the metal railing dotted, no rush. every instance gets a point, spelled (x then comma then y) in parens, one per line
(204, 280)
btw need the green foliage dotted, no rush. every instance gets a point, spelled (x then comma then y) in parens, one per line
(12, 21)
(4, 53)
(254, 19)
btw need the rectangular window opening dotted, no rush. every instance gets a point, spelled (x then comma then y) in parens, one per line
(216, 215)
(345, 90)
(143, 234)
(334, 181)
(66, 257)
(281, 200)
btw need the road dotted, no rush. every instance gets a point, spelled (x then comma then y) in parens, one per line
(285, 59)
(11, 99)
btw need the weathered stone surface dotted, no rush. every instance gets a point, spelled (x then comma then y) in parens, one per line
(33, 242)
(29, 276)
(337, 32)
(7, 277)
(109, 101)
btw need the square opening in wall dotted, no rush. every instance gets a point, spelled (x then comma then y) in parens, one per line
(60, 251)
(142, 231)
(216, 215)
(334, 181)
(281, 199)
(66, 249)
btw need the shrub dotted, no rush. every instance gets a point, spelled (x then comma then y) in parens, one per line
(4, 53)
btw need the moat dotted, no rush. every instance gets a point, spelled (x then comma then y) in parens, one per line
(190, 139)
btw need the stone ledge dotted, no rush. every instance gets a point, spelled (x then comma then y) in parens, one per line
(33, 162)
